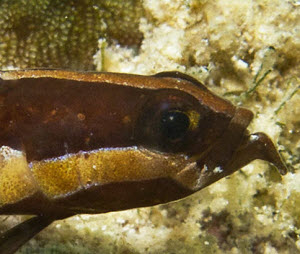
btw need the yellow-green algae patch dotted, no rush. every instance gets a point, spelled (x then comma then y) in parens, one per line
(232, 46)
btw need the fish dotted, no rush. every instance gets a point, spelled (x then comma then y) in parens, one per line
(96, 142)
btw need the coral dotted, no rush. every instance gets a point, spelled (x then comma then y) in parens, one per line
(64, 34)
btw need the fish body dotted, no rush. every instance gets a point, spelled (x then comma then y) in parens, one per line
(83, 142)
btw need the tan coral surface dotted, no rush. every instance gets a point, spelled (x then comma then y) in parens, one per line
(246, 51)
(64, 33)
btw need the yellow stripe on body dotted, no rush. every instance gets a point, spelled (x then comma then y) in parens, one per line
(67, 174)
(16, 182)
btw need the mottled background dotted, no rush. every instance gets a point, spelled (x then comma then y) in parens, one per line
(246, 51)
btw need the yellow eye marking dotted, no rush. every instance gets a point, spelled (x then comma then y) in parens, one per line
(194, 117)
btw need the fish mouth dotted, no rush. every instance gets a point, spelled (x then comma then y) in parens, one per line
(207, 169)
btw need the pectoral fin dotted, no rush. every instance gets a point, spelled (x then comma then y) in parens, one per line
(14, 238)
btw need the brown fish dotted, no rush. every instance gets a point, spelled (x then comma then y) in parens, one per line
(78, 142)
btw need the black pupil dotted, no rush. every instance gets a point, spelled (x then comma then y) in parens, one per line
(174, 124)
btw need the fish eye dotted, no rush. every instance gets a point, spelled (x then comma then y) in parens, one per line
(169, 122)
(174, 124)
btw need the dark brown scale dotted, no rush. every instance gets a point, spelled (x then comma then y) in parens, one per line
(45, 115)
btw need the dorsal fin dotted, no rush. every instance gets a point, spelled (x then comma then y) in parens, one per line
(180, 75)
